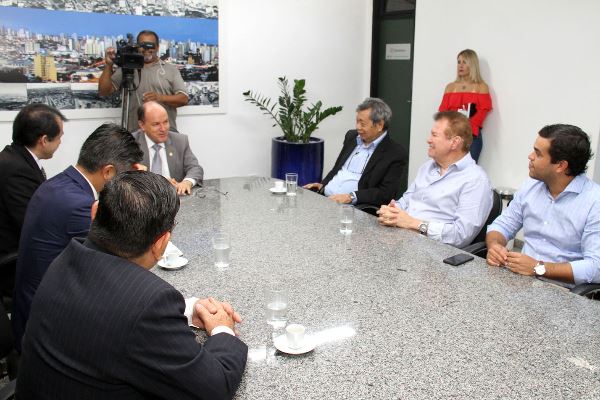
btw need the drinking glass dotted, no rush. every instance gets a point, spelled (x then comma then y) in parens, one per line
(346, 219)
(291, 183)
(276, 301)
(222, 248)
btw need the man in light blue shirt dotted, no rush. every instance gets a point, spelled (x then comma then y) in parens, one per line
(370, 167)
(559, 211)
(451, 197)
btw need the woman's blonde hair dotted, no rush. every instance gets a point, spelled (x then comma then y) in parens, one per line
(473, 62)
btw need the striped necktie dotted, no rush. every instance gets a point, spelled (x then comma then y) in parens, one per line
(44, 173)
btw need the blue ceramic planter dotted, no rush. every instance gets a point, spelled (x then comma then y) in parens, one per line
(306, 159)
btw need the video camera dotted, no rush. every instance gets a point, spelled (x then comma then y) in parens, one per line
(128, 55)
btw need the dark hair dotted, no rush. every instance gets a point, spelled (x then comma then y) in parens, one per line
(380, 111)
(135, 208)
(36, 120)
(147, 32)
(569, 143)
(458, 125)
(109, 144)
(141, 112)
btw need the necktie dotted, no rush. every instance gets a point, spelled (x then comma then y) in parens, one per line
(44, 173)
(156, 161)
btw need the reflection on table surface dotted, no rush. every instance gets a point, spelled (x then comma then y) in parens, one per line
(390, 319)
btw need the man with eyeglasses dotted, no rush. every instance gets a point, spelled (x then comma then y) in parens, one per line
(157, 81)
(371, 165)
(451, 197)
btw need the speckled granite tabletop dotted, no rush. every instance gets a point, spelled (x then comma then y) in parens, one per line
(390, 319)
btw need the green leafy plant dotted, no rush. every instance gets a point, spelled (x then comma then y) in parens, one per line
(296, 123)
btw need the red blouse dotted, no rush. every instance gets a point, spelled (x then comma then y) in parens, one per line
(453, 101)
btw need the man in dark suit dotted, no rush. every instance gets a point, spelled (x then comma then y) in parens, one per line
(371, 165)
(104, 327)
(166, 153)
(60, 210)
(37, 131)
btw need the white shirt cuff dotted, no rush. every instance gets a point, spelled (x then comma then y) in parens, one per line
(192, 180)
(189, 309)
(434, 230)
(222, 329)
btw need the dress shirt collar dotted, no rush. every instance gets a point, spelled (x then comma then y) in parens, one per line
(459, 165)
(374, 143)
(151, 143)
(577, 184)
(36, 159)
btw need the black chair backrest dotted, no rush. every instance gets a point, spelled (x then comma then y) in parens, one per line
(6, 337)
(494, 213)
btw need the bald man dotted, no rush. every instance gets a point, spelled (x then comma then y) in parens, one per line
(166, 153)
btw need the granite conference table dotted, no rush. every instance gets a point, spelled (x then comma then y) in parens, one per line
(390, 319)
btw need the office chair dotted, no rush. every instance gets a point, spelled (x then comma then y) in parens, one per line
(8, 265)
(477, 246)
(8, 354)
(368, 208)
(589, 290)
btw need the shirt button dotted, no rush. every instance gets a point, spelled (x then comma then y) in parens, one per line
(545, 222)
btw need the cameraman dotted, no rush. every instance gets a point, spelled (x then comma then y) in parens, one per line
(159, 81)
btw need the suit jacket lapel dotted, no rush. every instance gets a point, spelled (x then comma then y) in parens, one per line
(377, 155)
(170, 150)
(29, 159)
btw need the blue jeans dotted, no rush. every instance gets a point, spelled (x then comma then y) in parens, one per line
(476, 146)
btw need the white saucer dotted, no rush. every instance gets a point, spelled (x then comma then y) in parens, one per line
(278, 191)
(280, 343)
(178, 264)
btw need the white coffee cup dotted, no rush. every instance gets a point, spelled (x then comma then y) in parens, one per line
(171, 257)
(279, 185)
(295, 335)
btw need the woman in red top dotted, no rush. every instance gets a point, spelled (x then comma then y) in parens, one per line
(470, 95)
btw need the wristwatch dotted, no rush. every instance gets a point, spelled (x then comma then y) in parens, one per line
(423, 227)
(352, 197)
(540, 268)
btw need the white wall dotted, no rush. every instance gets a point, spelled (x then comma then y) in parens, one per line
(326, 42)
(540, 57)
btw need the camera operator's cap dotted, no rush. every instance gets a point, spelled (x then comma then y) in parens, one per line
(147, 45)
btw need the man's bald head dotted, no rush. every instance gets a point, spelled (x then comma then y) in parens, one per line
(154, 121)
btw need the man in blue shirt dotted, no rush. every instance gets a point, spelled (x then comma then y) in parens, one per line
(558, 209)
(451, 197)
(371, 165)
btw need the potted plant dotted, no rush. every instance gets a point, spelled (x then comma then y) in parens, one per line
(295, 151)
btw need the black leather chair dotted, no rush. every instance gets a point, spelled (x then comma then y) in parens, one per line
(589, 290)
(8, 264)
(369, 209)
(8, 355)
(477, 246)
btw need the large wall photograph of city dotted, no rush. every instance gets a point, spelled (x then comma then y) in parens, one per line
(52, 51)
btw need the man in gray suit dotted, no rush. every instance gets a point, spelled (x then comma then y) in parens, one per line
(166, 153)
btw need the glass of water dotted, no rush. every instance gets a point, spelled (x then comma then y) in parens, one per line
(291, 183)
(346, 219)
(276, 301)
(222, 248)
